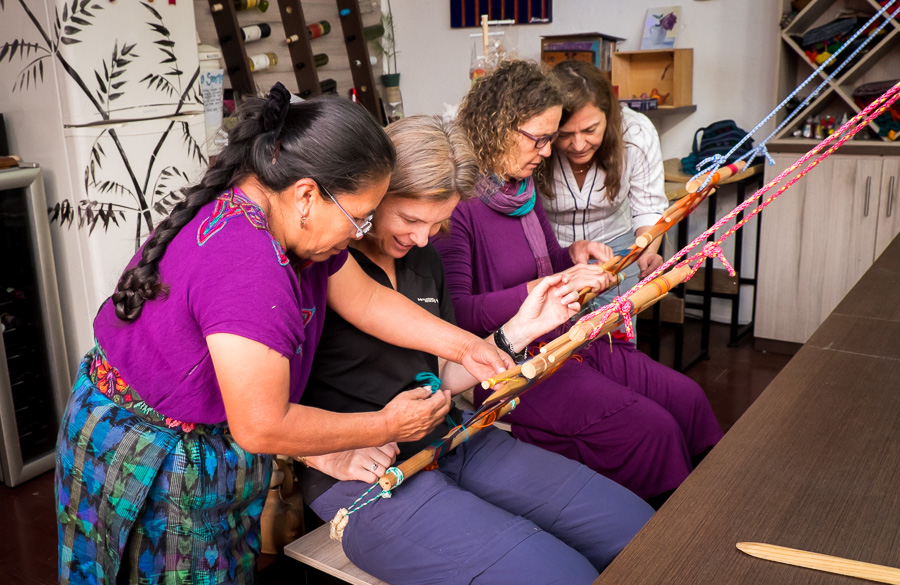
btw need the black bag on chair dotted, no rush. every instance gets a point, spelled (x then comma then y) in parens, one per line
(717, 138)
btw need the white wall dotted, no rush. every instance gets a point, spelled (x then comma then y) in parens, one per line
(734, 44)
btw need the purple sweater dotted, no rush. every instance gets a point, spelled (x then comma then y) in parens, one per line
(488, 263)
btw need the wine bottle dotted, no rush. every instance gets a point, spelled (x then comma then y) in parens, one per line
(370, 33)
(320, 59)
(254, 32)
(318, 29)
(262, 61)
(261, 5)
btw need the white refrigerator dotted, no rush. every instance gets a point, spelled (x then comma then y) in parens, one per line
(105, 96)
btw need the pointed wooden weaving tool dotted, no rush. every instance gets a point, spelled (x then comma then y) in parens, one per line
(820, 562)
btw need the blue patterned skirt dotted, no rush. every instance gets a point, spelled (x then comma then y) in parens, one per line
(142, 498)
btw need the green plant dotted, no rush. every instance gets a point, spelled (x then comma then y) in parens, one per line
(386, 45)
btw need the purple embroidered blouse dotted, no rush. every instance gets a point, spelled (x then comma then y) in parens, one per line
(226, 274)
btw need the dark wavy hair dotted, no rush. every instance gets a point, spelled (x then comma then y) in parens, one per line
(584, 85)
(499, 103)
(328, 139)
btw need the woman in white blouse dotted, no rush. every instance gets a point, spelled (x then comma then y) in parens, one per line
(604, 180)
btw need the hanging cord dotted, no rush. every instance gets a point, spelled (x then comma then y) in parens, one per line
(713, 249)
(711, 164)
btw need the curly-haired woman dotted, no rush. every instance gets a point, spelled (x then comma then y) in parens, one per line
(616, 411)
(205, 347)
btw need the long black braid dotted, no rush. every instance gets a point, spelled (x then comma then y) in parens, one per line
(329, 139)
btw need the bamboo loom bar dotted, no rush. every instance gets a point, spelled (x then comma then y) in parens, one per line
(671, 216)
(508, 374)
(426, 457)
(640, 299)
(675, 213)
(719, 175)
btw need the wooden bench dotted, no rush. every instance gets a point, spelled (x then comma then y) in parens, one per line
(317, 550)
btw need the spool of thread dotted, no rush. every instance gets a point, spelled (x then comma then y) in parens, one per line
(320, 59)
(344, 11)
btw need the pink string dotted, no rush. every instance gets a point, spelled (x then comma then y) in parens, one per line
(843, 134)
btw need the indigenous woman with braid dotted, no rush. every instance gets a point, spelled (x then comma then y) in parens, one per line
(204, 349)
(496, 510)
(613, 409)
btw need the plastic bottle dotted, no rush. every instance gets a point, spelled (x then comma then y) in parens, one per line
(262, 61)
(808, 127)
(254, 32)
(261, 5)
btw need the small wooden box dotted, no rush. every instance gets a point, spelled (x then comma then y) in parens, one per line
(669, 71)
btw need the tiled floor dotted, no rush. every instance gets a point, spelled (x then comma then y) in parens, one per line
(732, 378)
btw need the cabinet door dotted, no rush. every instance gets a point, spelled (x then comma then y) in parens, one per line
(817, 240)
(779, 258)
(889, 206)
(849, 224)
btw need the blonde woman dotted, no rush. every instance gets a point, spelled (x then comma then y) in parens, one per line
(497, 510)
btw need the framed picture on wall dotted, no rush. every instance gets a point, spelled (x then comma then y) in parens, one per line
(467, 13)
(661, 28)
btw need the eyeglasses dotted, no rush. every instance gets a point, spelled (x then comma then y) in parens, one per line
(361, 230)
(539, 141)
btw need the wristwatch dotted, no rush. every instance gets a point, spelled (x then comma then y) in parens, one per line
(503, 343)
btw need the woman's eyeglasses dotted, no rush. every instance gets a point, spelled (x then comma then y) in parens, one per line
(361, 230)
(539, 141)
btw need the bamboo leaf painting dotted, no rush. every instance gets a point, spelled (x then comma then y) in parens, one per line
(108, 200)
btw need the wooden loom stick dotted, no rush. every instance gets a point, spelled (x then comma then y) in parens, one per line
(675, 213)
(565, 345)
(484, 35)
(641, 298)
(426, 456)
(820, 562)
(722, 173)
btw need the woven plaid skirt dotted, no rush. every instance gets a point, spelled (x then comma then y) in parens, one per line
(142, 498)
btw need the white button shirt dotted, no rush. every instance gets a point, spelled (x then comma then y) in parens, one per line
(587, 213)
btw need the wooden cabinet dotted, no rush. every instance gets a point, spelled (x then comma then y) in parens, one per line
(820, 237)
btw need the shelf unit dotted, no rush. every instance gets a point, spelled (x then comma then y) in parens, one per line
(880, 62)
(219, 23)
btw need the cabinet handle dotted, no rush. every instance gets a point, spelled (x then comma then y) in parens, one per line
(890, 203)
(868, 191)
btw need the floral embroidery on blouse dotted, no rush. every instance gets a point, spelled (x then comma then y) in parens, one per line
(233, 204)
